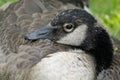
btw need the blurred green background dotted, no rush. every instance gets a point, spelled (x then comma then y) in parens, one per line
(5, 1)
(108, 11)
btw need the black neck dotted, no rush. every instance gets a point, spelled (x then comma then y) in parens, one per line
(99, 45)
(103, 55)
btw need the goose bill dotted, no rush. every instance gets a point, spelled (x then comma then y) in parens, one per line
(42, 33)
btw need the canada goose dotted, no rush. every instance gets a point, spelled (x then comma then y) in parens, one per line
(80, 31)
(21, 18)
(18, 56)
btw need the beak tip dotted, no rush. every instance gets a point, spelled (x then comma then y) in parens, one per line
(43, 33)
(26, 37)
(30, 37)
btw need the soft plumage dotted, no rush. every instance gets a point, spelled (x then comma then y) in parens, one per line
(78, 30)
(17, 55)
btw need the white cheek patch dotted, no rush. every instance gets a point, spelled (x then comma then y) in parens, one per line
(76, 37)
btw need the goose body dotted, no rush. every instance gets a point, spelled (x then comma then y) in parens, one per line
(21, 59)
(65, 66)
(111, 73)
(79, 30)
(18, 55)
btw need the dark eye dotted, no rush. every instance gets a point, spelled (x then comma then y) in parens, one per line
(68, 27)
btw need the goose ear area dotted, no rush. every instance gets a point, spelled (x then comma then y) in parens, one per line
(95, 36)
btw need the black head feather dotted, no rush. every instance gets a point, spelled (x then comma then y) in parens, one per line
(72, 15)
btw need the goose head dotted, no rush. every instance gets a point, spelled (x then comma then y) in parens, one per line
(80, 30)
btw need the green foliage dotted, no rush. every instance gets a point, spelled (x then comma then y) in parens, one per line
(109, 12)
(5, 1)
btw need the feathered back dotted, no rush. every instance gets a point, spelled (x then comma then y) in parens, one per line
(19, 19)
(26, 16)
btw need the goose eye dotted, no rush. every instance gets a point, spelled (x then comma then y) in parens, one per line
(68, 27)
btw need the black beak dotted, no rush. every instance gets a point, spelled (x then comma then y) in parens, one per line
(42, 33)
